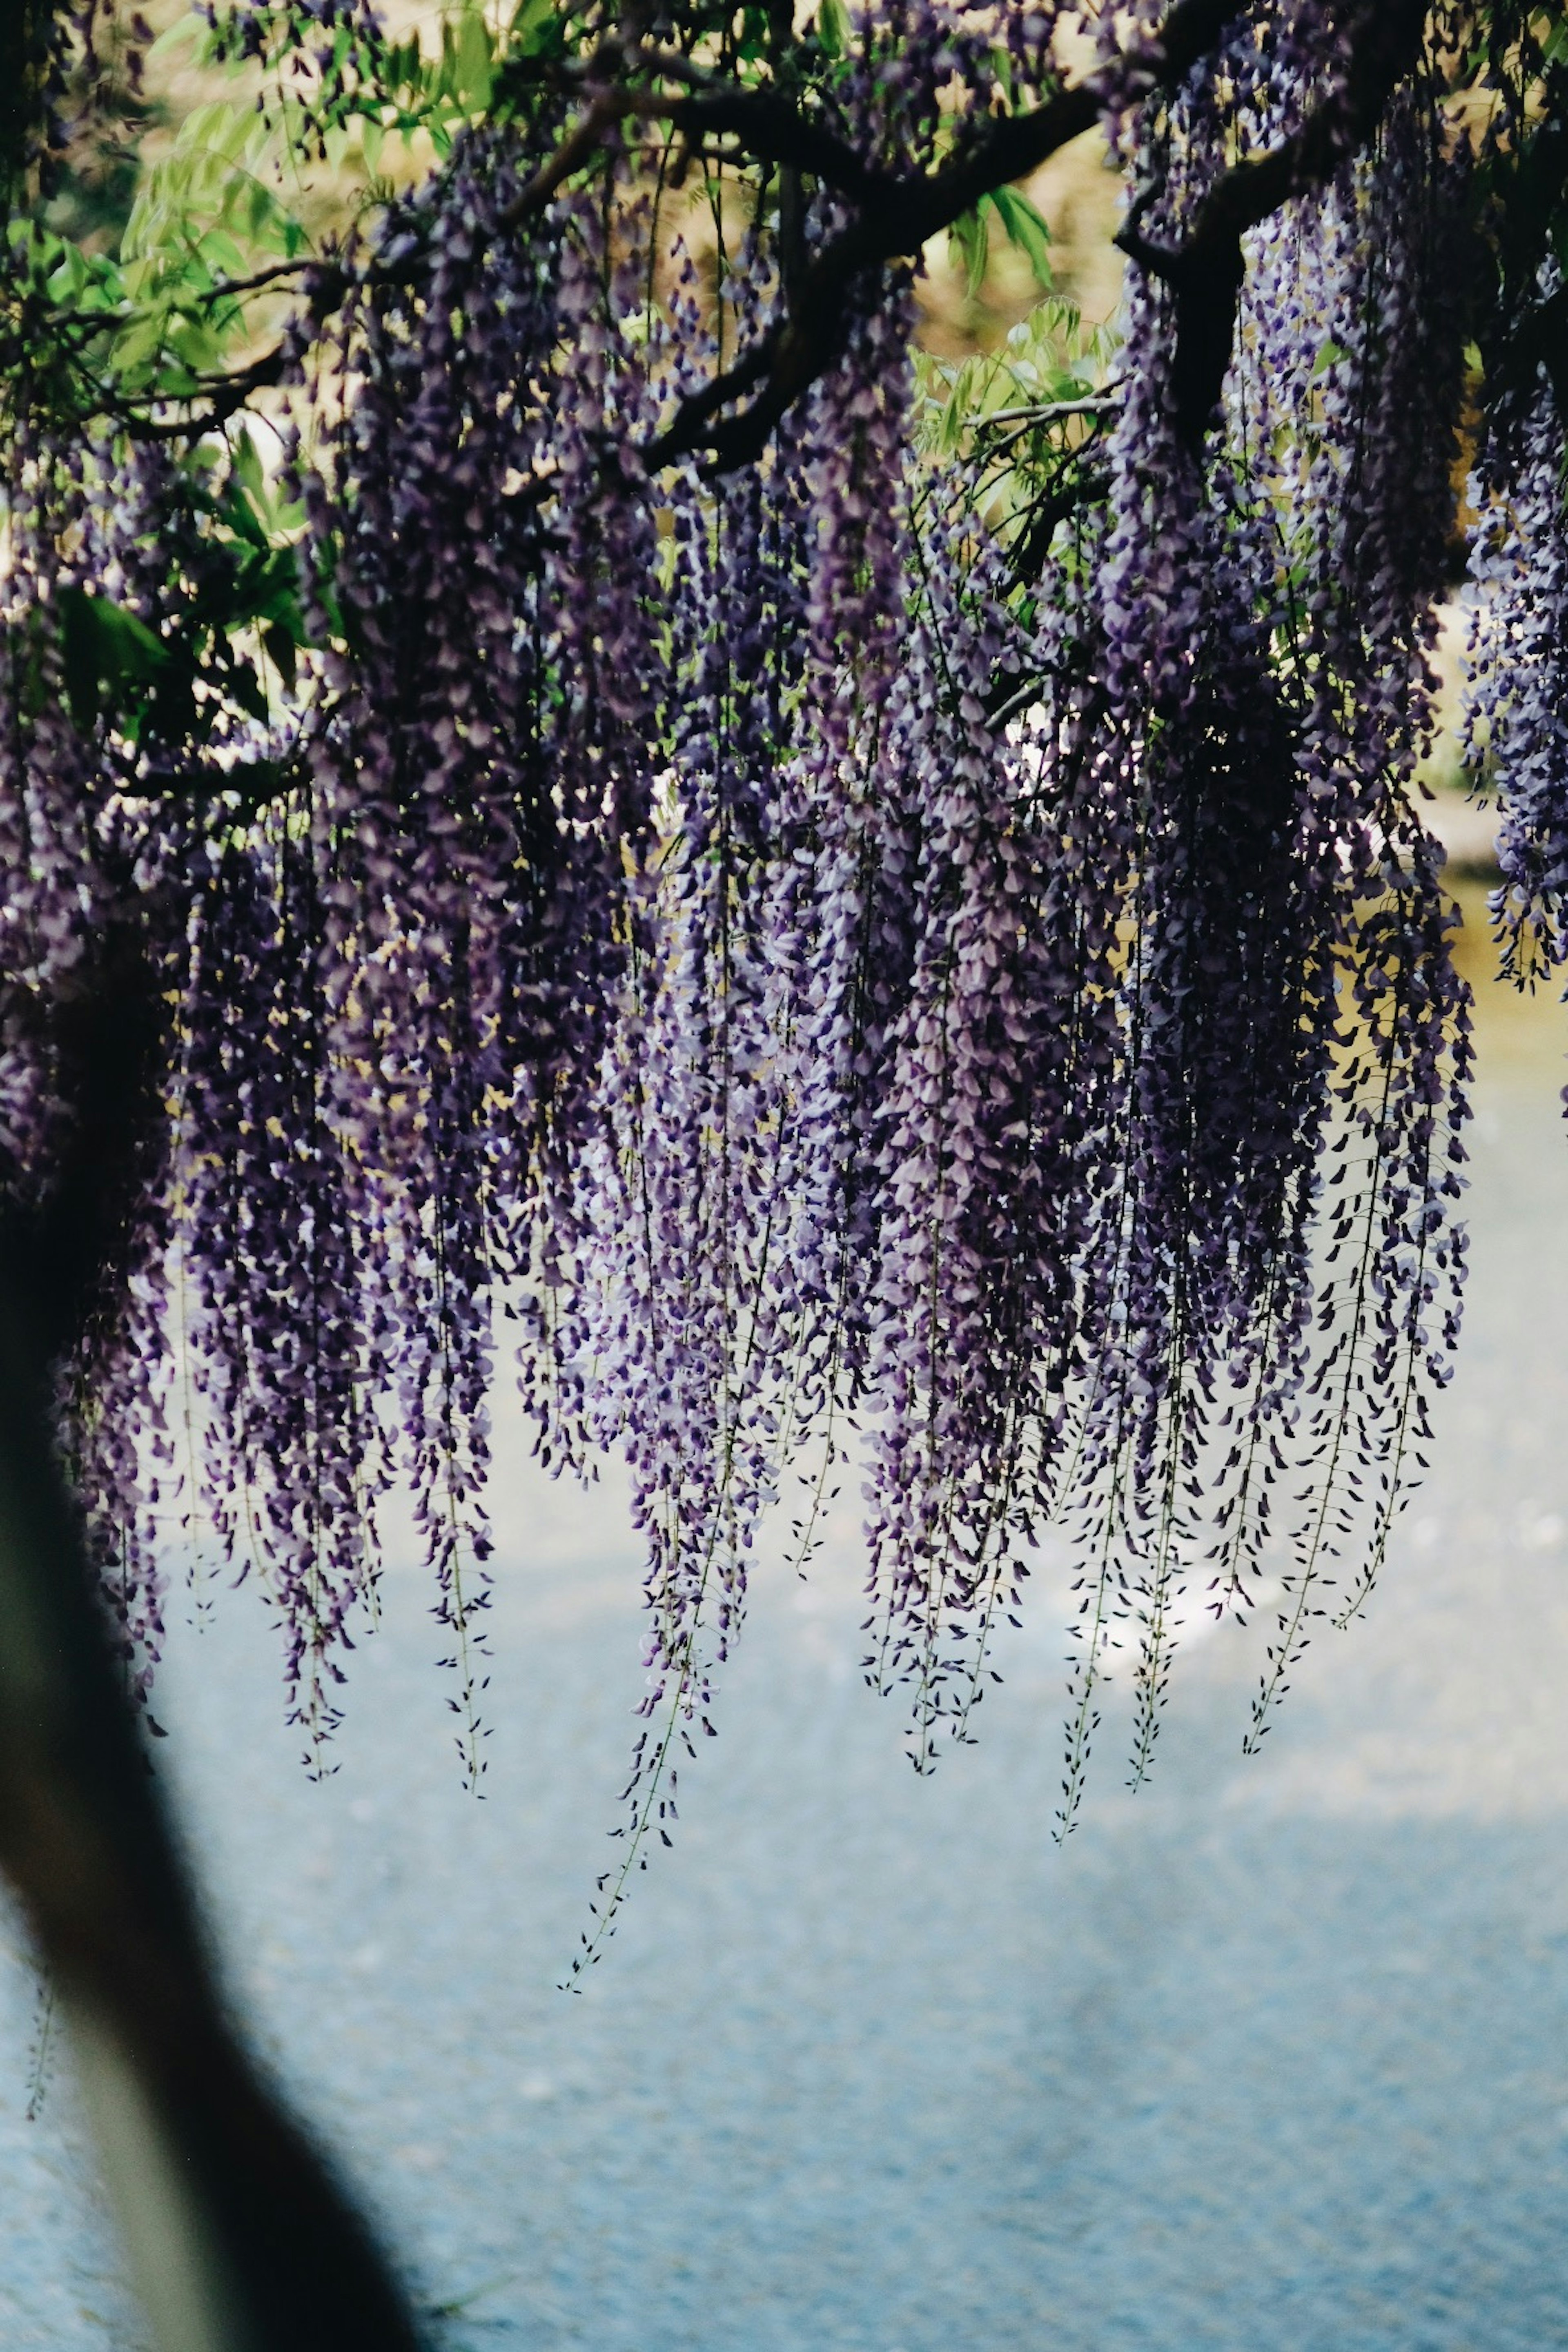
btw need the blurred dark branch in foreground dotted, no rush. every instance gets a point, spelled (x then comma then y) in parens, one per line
(238, 2238)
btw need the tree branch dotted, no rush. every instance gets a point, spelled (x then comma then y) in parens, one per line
(771, 130)
(898, 216)
(1207, 268)
(226, 395)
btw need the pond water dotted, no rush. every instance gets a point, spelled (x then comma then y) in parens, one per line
(1275, 2055)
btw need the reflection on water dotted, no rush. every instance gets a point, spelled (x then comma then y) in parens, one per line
(1275, 2056)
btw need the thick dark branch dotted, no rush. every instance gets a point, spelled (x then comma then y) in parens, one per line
(1206, 269)
(892, 226)
(581, 144)
(698, 411)
(1033, 545)
(1530, 330)
(1539, 340)
(1017, 144)
(771, 131)
(897, 218)
(219, 399)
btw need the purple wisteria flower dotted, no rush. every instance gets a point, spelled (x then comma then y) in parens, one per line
(735, 951)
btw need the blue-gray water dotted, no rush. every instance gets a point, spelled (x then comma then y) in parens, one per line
(1274, 2059)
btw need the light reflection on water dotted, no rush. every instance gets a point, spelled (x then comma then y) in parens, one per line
(1275, 2056)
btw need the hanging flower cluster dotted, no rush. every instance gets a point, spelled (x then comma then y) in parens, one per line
(1515, 717)
(752, 951)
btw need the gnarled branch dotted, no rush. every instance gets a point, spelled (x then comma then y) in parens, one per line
(1207, 268)
(895, 219)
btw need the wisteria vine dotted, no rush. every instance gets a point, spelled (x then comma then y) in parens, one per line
(685, 893)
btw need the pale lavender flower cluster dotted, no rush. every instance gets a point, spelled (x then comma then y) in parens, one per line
(665, 946)
(1516, 715)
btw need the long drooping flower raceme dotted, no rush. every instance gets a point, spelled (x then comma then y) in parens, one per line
(1516, 708)
(766, 945)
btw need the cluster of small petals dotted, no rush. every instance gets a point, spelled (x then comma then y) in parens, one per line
(1516, 715)
(669, 961)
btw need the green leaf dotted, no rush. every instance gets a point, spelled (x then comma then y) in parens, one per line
(141, 341)
(534, 19)
(186, 26)
(832, 27)
(970, 239)
(1026, 229)
(111, 659)
(69, 276)
(245, 460)
(247, 689)
(475, 62)
(282, 651)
